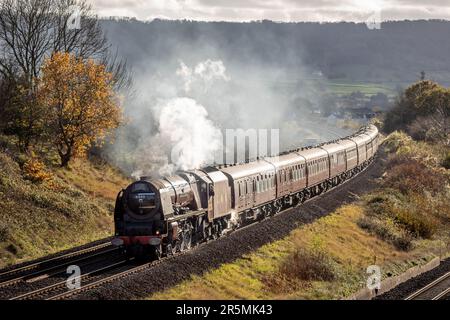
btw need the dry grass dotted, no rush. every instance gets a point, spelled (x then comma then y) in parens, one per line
(95, 178)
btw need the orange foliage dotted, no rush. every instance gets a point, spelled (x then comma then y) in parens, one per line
(34, 170)
(81, 104)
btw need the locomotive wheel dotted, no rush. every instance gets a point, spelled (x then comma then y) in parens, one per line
(215, 232)
(171, 250)
(186, 243)
(185, 240)
(155, 252)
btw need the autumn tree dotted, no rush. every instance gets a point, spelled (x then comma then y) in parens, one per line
(81, 104)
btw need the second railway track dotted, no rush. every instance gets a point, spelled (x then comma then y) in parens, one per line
(436, 290)
(22, 279)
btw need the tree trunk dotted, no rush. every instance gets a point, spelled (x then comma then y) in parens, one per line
(65, 156)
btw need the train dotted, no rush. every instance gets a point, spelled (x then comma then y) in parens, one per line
(161, 217)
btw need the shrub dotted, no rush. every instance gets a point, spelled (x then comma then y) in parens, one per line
(380, 202)
(4, 142)
(446, 161)
(403, 241)
(308, 265)
(387, 231)
(408, 175)
(34, 170)
(419, 224)
(396, 140)
(4, 232)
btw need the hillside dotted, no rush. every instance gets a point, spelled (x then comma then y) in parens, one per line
(73, 207)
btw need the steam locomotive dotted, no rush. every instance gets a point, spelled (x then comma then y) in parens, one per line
(164, 216)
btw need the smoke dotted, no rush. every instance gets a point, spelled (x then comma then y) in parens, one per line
(186, 132)
(203, 74)
(185, 137)
(187, 98)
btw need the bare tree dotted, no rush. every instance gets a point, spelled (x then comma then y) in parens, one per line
(25, 36)
(30, 31)
(89, 41)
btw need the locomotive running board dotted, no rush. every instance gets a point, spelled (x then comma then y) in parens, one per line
(185, 216)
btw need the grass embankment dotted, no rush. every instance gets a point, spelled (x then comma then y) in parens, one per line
(46, 209)
(403, 224)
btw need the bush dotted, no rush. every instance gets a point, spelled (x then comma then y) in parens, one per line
(4, 232)
(387, 231)
(398, 218)
(34, 170)
(419, 224)
(308, 265)
(396, 140)
(446, 161)
(403, 241)
(411, 176)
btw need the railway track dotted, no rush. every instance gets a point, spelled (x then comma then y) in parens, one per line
(436, 290)
(60, 288)
(54, 265)
(92, 279)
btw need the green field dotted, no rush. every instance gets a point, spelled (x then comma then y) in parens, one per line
(345, 88)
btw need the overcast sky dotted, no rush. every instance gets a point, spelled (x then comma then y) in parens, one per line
(277, 10)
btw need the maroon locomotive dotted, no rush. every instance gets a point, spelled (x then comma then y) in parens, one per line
(163, 216)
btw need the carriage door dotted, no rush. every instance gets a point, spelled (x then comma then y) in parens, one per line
(249, 196)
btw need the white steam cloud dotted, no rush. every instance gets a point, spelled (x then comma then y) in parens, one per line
(203, 74)
(186, 137)
(184, 124)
